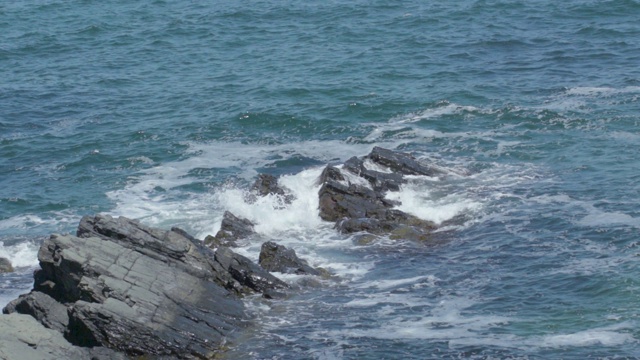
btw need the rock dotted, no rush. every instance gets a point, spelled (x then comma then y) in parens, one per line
(338, 201)
(136, 304)
(23, 338)
(5, 265)
(402, 163)
(267, 184)
(43, 308)
(247, 274)
(356, 208)
(142, 292)
(232, 228)
(274, 257)
(380, 181)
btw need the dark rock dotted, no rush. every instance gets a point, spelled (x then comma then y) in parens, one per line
(23, 338)
(380, 181)
(232, 228)
(128, 301)
(274, 257)
(267, 184)
(140, 291)
(356, 208)
(338, 201)
(5, 265)
(43, 308)
(330, 173)
(248, 274)
(402, 163)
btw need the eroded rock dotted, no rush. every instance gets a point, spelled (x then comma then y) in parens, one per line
(275, 257)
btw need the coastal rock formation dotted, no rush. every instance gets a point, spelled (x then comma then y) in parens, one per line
(356, 201)
(274, 257)
(5, 265)
(140, 291)
(232, 228)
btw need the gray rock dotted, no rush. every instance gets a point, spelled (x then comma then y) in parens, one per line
(140, 291)
(23, 338)
(401, 163)
(137, 304)
(356, 208)
(5, 265)
(274, 257)
(232, 228)
(43, 308)
(248, 275)
(380, 181)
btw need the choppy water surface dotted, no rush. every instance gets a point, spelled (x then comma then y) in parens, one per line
(165, 111)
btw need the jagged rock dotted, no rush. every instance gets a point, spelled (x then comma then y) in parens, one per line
(330, 173)
(141, 291)
(5, 265)
(267, 184)
(274, 257)
(231, 229)
(402, 163)
(357, 208)
(43, 308)
(23, 338)
(131, 302)
(248, 274)
(380, 181)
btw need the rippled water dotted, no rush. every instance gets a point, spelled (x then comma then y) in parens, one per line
(165, 111)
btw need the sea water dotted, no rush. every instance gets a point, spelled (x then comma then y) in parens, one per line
(166, 111)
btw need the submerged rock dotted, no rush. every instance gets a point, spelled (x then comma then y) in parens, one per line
(5, 265)
(275, 257)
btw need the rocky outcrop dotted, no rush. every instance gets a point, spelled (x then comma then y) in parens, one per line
(361, 206)
(23, 338)
(141, 291)
(5, 265)
(274, 257)
(232, 228)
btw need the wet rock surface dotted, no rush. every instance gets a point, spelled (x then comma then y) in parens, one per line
(139, 291)
(5, 265)
(232, 228)
(361, 206)
(275, 257)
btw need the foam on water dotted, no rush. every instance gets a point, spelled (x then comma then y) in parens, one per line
(23, 254)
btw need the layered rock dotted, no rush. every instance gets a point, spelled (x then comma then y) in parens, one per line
(275, 257)
(232, 228)
(141, 291)
(361, 206)
(5, 265)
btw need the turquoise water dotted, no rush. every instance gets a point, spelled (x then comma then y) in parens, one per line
(165, 111)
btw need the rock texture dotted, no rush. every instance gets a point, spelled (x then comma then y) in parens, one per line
(274, 257)
(232, 228)
(361, 206)
(5, 265)
(141, 291)
(22, 337)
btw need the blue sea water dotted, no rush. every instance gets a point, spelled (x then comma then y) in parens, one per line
(165, 111)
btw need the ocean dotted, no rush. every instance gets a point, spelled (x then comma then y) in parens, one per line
(165, 111)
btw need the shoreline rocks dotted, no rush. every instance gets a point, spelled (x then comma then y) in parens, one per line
(141, 291)
(120, 289)
(5, 265)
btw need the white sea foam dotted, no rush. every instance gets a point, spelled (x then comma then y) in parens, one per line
(420, 200)
(23, 254)
(447, 109)
(601, 91)
(604, 336)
